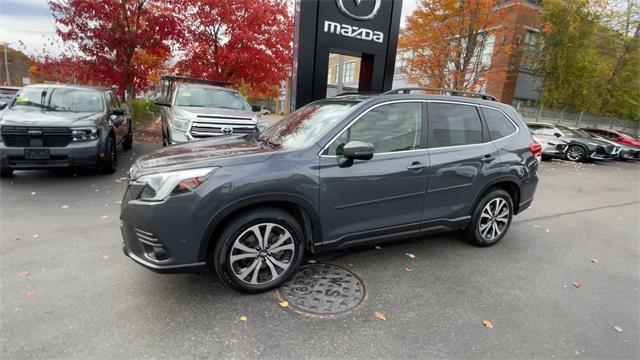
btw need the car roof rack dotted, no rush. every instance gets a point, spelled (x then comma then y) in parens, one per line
(173, 78)
(451, 92)
(349, 93)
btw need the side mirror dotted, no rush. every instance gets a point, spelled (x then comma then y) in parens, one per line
(162, 101)
(256, 108)
(355, 150)
(3, 105)
(557, 134)
(117, 112)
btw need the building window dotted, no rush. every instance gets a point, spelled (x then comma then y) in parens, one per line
(330, 76)
(349, 71)
(530, 37)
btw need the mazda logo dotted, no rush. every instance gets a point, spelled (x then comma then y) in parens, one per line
(227, 130)
(371, 15)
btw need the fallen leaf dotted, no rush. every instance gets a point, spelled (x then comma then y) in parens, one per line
(123, 178)
(118, 202)
(65, 206)
(118, 181)
(23, 274)
(28, 294)
(618, 328)
(311, 261)
(104, 217)
(537, 226)
(379, 315)
(577, 285)
(243, 318)
(35, 236)
(377, 247)
(594, 261)
(105, 257)
(547, 230)
(488, 324)
(350, 265)
(408, 269)
(411, 255)
(284, 304)
(16, 238)
(33, 193)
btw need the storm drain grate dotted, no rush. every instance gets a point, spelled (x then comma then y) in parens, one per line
(323, 289)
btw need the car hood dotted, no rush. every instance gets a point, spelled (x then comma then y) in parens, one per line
(23, 117)
(222, 151)
(193, 112)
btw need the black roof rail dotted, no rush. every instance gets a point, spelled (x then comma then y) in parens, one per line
(357, 93)
(451, 92)
(173, 78)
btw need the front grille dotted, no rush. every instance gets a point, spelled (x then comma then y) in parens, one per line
(153, 248)
(610, 149)
(32, 136)
(221, 128)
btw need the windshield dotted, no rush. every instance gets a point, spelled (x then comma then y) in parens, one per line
(206, 96)
(585, 134)
(60, 99)
(571, 132)
(306, 125)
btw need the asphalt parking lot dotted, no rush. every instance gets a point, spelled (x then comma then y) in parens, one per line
(566, 274)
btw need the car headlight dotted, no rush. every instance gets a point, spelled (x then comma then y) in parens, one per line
(84, 134)
(162, 185)
(180, 124)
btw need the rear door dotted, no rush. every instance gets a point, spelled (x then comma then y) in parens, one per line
(120, 122)
(463, 160)
(376, 198)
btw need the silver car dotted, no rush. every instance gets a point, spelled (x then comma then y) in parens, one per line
(195, 109)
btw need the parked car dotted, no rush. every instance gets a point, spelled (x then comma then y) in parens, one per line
(623, 152)
(339, 172)
(195, 109)
(7, 93)
(618, 136)
(54, 126)
(551, 147)
(579, 147)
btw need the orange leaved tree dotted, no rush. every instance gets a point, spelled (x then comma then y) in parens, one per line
(455, 44)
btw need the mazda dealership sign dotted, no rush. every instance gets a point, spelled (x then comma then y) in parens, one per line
(367, 29)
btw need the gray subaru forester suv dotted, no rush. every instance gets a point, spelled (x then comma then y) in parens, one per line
(340, 172)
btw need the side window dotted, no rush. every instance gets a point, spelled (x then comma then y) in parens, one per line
(498, 124)
(537, 130)
(453, 125)
(549, 131)
(390, 128)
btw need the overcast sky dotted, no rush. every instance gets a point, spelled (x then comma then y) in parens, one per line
(30, 22)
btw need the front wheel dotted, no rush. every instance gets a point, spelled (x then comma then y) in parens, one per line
(110, 161)
(259, 250)
(491, 219)
(576, 153)
(6, 172)
(127, 143)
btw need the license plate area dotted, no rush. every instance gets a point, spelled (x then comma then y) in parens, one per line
(36, 154)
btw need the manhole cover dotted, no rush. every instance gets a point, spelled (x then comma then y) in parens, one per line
(323, 289)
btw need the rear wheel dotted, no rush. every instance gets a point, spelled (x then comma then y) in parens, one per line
(127, 143)
(259, 250)
(576, 153)
(110, 160)
(491, 219)
(6, 172)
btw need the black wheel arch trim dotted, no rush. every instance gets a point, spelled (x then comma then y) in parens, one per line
(311, 217)
(503, 178)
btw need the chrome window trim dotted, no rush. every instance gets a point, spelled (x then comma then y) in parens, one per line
(427, 148)
(363, 114)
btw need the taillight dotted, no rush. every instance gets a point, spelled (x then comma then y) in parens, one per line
(536, 149)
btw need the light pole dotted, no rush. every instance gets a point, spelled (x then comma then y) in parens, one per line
(6, 66)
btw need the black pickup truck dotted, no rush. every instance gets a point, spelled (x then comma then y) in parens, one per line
(53, 126)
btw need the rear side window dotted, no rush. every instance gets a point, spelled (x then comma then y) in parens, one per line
(498, 124)
(453, 125)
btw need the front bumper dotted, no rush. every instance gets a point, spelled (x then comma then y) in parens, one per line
(152, 239)
(74, 154)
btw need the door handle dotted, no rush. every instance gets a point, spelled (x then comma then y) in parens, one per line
(416, 166)
(487, 158)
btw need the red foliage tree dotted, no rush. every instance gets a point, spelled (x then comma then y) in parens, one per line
(121, 41)
(246, 42)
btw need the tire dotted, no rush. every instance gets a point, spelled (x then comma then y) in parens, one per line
(576, 153)
(477, 233)
(252, 270)
(127, 143)
(164, 138)
(6, 172)
(110, 162)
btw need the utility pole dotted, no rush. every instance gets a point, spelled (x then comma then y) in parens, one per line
(6, 65)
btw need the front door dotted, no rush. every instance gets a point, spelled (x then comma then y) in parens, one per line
(373, 199)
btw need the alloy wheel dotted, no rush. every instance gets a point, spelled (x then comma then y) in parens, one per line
(575, 153)
(262, 253)
(494, 219)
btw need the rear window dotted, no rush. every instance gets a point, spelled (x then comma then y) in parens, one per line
(453, 125)
(498, 124)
